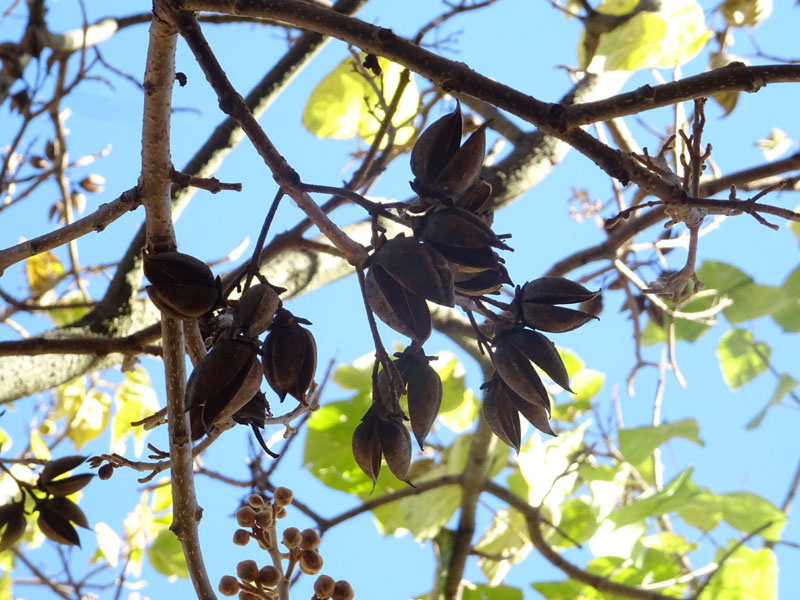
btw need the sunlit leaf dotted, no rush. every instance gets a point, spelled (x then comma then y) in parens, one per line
(505, 542)
(665, 39)
(162, 496)
(109, 543)
(750, 300)
(166, 555)
(787, 314)
(775, 144)
(748, 512)
(638, 443)
(685, 329)
(794, 226)
(746, 575)
(459, 406)
(669, 543)
(623, 541)
(91, 418)
(65, 316)
(579, 520)
(479, 591)
(672, 498)
(43, 271)
(38, 447)
(134, 400)
(786, 383)
(346, 103)
(740, 358)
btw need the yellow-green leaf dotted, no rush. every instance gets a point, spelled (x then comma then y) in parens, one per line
(740, 358)
(346, 102)
(43, 272)
(38, 447)
(108, 543)
(91, 418)
(135, 399)
(65, 316)
(747, 574)
(166, 555)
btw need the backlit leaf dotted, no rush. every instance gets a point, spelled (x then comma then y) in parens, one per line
(166, 555)
(478, 591)
(672, 498)
(65, 316)
(786, 383)
(750, 299)
(134, 400)
(109, 543)
(746, 575)
(787, 314)
(740, 358)
(91, 418)
(775, 144)
(638, 443)
(505, 538)
(43, 271)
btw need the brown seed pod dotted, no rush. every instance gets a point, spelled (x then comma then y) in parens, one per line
(247, 570)
(424, 389)
(291, 537)
(12, 524)
(367, 446)
(106, 471)
(309, 539)
(500, 413)
(264, 517)
(310, 562)
(485, 282)
(254, 413)
(228, 585)
(93, 183)
(256, 500)
(342, 591)
(395, 443)
(183, 286)
(477, 199)
(67, 485)
(55, 520)
(456, 227)
(283, 496)
(323, 587)
(269, 576)
(464, 167)
(254, 312)
(245, 516)
(289, 356)
(222, 382)
(543, 352)
(241, 537)
(536, 415)
(435, 147)
(554, 290)
(534, 304)
(59, 466)
(515, 369)
(401, 309)
(417, 269)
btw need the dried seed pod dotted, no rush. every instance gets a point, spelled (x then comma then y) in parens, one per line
(245, 516)
(39, 162)
(228, 585)
(515, 369)
(55, 520)
(324, 586)
(12, 524)
(241, 537)
(417, 269)
(401, 309)
(541, 351)
(435, 147)
(93, 183)
(289, 356)
(291, 538)
(535, 414)
(59, 466)
(183, 286)
(256, 500)
(105, 472)
(342, 591)
(247, 570)
(254, 413)
(222, 382)
(309, 539)
(501, 414)
(477, 199)
(269, 576)
(424, 389)
(264, 518)
(283, 496)
(468, 260)
(310, 562)
(464, 167)
(67, 485)
(255, 309)
(456, 227)
(395, 443)
(68, 509)
(534, 302)
(485, 282)
(367, 446)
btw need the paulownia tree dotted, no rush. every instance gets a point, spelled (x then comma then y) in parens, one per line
(232, 345)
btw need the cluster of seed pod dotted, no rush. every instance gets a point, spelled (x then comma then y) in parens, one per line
(452, 258)
(58, 515)
(256, 520)
(226, 382)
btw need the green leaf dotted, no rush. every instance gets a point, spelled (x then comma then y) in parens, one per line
(624, 541)
(686, 330)
(478, 591)
(134, 400)
(562, 590)
(750, 300)
(669, 543)
(663, 39)
(65, 316)
(162, 496)
(787, 314)
(794, 226)
(357, 376)
(43, 271)
(166, 555)
(38, 447)
(786, 383)
(740, 358)
(775, 144)
(507, 539)
(746, 575)
(586, 384)
(91, 418)
(747, 512)
(459, 405)
(579, 520)
(572, 361)
(638, 444)
(346, 103)
(672, 498)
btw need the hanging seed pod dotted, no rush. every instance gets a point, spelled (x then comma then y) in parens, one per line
(500, 414)
(289, 356)
(401, 309)
(255, 309)
(535, 414)
(417, 269)
(468, 260)
(477, 199)
(254, 414)
(67, 485)
(222, 382)
(541, 351)
(424, 389)
(435, 147)
(367, 446)
(515, 369)
(93, 183)
(459, 228)
(534, 304)
(396, 447)
(55, 520)
(479, 284)
(463, 169)
(59, 466)
(12, 524)
(183, 286)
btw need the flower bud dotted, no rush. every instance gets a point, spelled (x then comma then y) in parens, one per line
(228, 585)
(245, 516)
(247, 570)
(310, 562)
(343, 591)
(269, 576)
(291, 537)
(283, 496)
(324, 586)
(241, 537)
(309, 539)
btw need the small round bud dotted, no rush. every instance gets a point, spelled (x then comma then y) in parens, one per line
(309, 539)
(283, 496)
(256, 500)
(291, 537)
(245, 516)
(323, 587)
(247, 570)
(269, 576)
(241, 537)
(105, 472)
(228, 586)
(310, 562)
(244, 595)
(280, 513)
(264, 518)
(343, 590)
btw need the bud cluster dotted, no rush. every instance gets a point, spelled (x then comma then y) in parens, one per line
(58, 515)
(452, 258)
(227, 380)
(256, 520)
